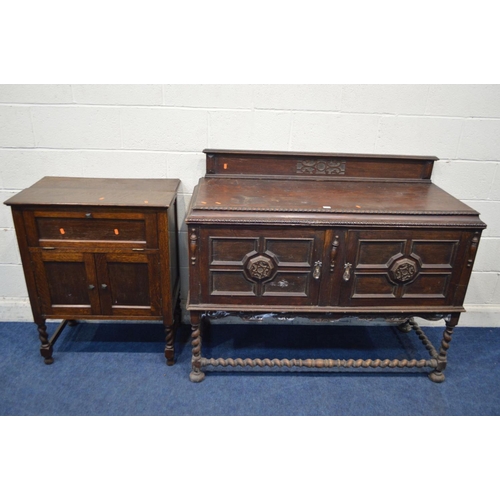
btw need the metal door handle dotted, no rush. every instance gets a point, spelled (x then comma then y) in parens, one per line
(104, 286)
(317, 270)
(347, 272)
(91, 287)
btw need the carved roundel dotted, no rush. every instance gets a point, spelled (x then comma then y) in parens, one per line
(404, 270)
(260, 267)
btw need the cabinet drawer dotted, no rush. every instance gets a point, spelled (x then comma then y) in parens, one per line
(82, 228)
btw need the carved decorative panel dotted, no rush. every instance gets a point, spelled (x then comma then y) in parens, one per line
(321, 167)
(403, 270)
(260, 267)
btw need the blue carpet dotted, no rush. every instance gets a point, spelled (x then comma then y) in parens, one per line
(119, 369)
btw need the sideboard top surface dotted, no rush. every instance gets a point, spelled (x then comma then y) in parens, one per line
(285, 195)
(98, 192)
(323, 188)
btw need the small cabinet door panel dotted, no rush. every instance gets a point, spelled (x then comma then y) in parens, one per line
(66, 283)
(396, 267)
(260, 265)
(129, 284)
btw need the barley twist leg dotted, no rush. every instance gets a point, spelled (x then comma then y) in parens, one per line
(196, 374)
(169, 344)
(45, 348)
(437, 375)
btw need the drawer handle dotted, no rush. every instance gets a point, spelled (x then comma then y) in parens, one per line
(347, 272)
(89, 215)
(104, 286)
(48, 248)
(91, 287)
(317, 270)
(138, 249)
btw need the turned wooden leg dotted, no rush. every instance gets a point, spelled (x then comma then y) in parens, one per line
(406, 326)
(196, 374)
(437, 375)
(169, 344)
(45, 348)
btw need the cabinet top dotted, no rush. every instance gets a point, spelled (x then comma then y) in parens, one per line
(99, 192)
(287, 201)
(285, 195)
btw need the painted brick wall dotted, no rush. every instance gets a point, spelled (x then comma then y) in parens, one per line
(160, 131)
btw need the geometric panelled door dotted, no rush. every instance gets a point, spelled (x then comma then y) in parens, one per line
(394, 269)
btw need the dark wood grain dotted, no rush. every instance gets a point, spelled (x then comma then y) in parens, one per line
(325, 233)
(100, 249)
(286, 195)
(317, 165)
(82, 191)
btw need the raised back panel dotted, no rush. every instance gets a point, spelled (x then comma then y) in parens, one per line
(331, 166)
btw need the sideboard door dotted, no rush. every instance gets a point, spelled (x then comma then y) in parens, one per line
(66, 283)
(268, 266)
(129, 284)
(399, 267)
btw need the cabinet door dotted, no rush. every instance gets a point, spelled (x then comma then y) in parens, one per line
(129, 284)
(260, 266)
(402, 267)
(66, 283)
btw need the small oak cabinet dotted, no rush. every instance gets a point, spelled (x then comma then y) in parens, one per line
(327, 235)
(99, 249)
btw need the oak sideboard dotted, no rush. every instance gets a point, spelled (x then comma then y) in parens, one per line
(327, 235)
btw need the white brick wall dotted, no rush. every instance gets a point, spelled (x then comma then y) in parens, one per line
(159, 131)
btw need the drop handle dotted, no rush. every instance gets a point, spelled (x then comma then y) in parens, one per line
(104, 286)
(347, 272)
(88, 215)
(317, 270)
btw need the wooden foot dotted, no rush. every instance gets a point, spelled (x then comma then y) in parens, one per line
(437, 376)
(46, 347)
(196, 376)
(405, 327)
(72, 322)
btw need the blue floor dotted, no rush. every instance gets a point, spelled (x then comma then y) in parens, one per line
(119, 369)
